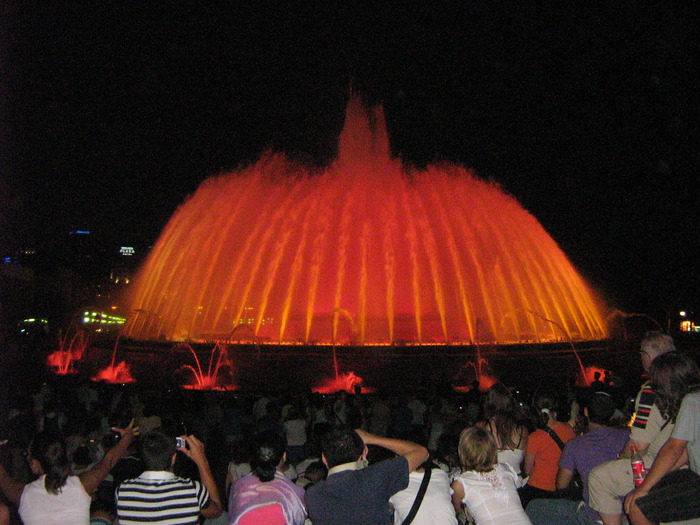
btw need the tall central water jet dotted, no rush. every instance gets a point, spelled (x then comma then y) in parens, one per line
(365, 251)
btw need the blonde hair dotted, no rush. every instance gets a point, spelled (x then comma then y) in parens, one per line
(477, 449)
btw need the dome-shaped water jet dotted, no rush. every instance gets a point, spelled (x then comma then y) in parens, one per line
(366, 251)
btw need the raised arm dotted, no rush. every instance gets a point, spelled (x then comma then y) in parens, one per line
(415, 454)
(195, 451)
(93, 477)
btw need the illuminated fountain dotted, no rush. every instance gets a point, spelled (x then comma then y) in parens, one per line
(117, 373)
(408, 256)
(348, 382)
(478, 369)
(71, 347)
(218, 373)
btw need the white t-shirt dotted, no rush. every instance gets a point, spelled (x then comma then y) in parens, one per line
(512, 457)
(492, 498)
(436, 507)
(71, 506)
(688, 428)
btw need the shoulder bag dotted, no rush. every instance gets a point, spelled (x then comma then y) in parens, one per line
(419, 497)
(575, 489)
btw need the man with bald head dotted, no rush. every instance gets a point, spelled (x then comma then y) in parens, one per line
(609, 482)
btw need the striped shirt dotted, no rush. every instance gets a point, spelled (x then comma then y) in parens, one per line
(160, 498)
(644, 402)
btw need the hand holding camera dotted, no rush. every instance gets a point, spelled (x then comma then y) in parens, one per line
(193, 448)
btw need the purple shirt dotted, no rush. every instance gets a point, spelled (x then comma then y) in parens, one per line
(249, 493)
(583, 453)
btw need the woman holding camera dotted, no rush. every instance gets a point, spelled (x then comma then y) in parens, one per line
(57, 497)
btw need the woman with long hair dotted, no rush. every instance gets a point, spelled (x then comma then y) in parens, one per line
(544, 447)
(500, 418)
(266, 495)
(57, 497)
(669, 493)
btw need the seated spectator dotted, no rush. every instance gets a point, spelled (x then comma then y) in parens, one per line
(669, 493)
(597, 385)
(609, 482)
(435, 506)
(266, 487)
(295, 432)
(312, 454)
(486, 489)
(447, 453)
(473, 401)
(80, 460)
(315, 472)
(544, 448)
(599, 444)
(354, 492)
(501, 419)
(380, 416)
(239, 465)
(58, 497)
(288, 470)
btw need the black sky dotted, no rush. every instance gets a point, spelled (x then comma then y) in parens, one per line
(111, 113)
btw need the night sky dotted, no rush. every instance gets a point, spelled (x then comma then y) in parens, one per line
(111, 113)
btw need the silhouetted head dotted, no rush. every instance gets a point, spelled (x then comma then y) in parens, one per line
(499, 399)
(316, 471)
(157, 450)
(601, 408)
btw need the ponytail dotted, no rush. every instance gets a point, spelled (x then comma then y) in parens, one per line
(546, 407)
(267, 454)
(50, 451)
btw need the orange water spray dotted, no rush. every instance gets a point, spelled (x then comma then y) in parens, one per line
(434, 256)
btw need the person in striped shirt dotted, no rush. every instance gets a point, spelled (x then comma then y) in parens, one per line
(609, 482)
(158, 496)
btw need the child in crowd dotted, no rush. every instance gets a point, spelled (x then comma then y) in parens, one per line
(239, 465)
(486, 490)
(315, 472)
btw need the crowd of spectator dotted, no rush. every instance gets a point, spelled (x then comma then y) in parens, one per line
(555, 455)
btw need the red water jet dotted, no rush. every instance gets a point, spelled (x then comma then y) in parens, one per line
(212, 377)
(348, 382)
(117, 374)
(366, 251)
(70, 349)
